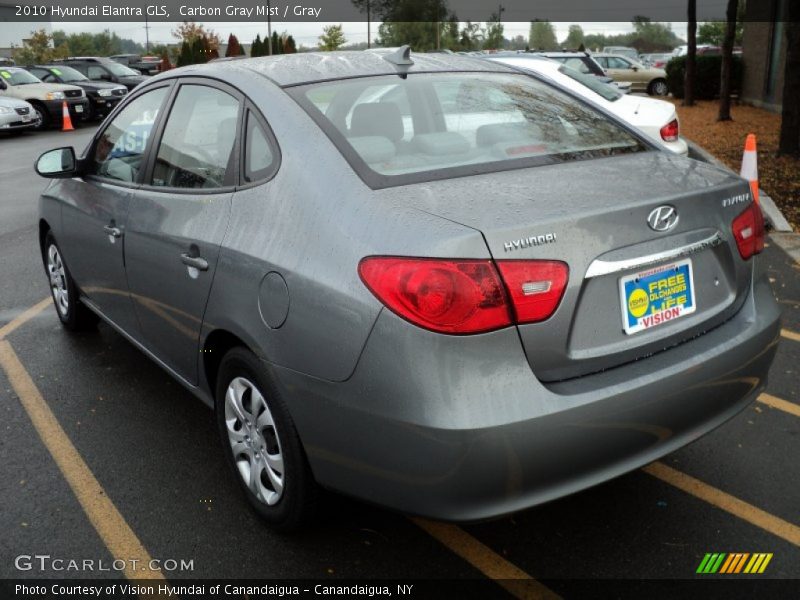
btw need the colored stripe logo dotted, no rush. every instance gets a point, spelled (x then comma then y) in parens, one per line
(734, 562)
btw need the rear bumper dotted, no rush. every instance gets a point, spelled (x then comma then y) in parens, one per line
(459, 428)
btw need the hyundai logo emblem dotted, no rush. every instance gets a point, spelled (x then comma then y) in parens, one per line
(662, 218)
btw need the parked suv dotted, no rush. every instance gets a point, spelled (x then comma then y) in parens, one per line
(103, 96)
(46, 98)
(105, 69)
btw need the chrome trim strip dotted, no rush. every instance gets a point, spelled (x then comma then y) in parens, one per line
(602, 267)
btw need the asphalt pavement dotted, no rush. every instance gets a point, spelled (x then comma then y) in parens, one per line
(151, 449)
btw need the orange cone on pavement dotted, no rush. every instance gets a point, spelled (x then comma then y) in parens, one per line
(65, 118)
(750, 164)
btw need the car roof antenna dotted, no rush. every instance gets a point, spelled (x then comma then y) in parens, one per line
(401, 58)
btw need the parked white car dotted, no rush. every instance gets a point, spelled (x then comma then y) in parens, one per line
(656, 118)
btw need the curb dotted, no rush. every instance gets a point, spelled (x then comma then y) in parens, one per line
(771, 211)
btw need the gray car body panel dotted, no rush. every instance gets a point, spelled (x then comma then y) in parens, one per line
(455, 427)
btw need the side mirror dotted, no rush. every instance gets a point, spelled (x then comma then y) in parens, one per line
(635, 68)
(57, 164)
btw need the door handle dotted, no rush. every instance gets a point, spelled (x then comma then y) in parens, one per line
(113, 231)
(199, 263)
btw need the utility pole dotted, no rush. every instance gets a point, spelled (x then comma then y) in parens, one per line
(500, 10)
(269, 29)
(146, 34)
(369, 45)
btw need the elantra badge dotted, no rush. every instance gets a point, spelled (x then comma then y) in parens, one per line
(662, 218)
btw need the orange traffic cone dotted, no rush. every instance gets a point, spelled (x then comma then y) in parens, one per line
(65, 118)
(750, 164)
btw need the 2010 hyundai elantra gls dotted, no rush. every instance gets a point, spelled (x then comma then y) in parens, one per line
(428, 281)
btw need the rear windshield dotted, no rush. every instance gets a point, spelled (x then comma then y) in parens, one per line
(395, 131)
(607, 91)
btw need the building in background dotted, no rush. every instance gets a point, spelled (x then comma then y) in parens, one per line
(764, 54)
(12, 33)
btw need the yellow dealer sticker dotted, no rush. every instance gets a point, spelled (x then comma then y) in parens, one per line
(5, 74)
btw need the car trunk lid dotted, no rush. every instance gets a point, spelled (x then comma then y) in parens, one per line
(593, 215)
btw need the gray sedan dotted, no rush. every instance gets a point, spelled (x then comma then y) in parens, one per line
(429, 281)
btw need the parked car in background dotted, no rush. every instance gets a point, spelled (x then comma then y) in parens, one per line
(657, 61)
(47, 99)
(622, 50)
(103, 96)
(657, 118)
(515, 298)
(105, 69)
(642, 78)
(583, 62)
(702, 50)
(146, 65)
(17, 115)
(7, 62)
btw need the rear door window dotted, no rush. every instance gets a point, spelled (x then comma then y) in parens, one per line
(259, 155)
(196, 149)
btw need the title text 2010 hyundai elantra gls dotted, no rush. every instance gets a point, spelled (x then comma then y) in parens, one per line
(431, 282)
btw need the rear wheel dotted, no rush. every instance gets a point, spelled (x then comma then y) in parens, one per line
(658, 87)
(72, 313)
(261, 444)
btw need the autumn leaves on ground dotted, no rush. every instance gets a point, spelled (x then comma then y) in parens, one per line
(779, 176)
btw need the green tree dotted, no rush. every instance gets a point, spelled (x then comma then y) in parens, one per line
(493, 34)
(257, 47)
(332, 37)
(575, 37)
(542, 36)
(471, 37)
(727, 62)
(423, 24)
(185, 56)
(277, 44)
(713, 33)
(35, 49)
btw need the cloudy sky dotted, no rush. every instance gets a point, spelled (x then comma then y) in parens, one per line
(307, 33)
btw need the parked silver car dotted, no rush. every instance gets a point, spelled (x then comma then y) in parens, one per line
(17, 115)
(430, 281)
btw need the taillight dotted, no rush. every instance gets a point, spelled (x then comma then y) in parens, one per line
(670, 131)
(465, 296)
(449, 296)
(748, 229)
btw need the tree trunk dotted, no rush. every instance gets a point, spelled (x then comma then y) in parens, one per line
(790, 117)
(691, 53)
(727, 63)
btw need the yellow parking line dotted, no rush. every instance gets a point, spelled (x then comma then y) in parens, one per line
(790, 335)
(788, 407)
(104, 516)
(731, 504)
(515, 581)
(24, 317)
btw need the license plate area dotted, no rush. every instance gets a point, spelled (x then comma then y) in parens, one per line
(78, 108)
(656, 296)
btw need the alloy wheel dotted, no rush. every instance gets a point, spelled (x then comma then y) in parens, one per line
(254, 441)
(58, 279)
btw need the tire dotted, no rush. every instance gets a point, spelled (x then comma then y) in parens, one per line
(256, 429)
(73, 315)
(658, 87)
(44, 117)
